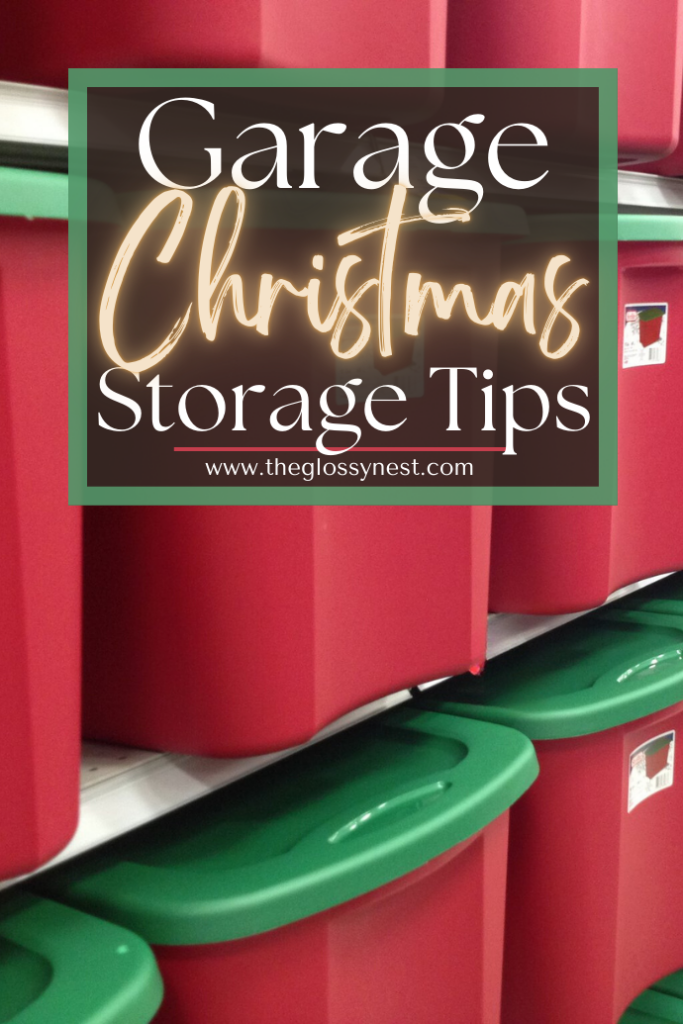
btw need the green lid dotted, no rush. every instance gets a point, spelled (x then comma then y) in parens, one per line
(638, 1017)
(25, 193)
(330, 823)
(663, 1001)
(611, 667)
(60, 966)
(650, 227)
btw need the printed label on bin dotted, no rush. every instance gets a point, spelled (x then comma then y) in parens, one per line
(645, 328)
(651, 768)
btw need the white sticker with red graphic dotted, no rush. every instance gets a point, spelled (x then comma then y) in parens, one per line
(651, 768)
(645, 327)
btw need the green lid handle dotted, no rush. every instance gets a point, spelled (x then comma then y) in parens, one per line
(391, 811)
(659, 671)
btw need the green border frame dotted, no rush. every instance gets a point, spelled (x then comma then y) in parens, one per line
(606, 491)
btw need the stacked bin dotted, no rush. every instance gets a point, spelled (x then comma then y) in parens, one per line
(61, 966)
(40, 536)
(362, 879)
(595, 909)
(561, 559)
(249, 629)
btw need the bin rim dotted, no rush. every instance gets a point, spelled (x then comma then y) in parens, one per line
(555, 687)
(580, 227)
(30, 193)
(352, 849)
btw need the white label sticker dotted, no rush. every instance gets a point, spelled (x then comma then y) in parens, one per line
(651, 768)
(645, 329)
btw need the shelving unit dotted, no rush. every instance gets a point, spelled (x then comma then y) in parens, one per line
(122, 788)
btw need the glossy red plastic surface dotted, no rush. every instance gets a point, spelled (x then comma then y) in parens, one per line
(595, 908)
(38, 44)
(40, 552)
(643, 41)
(547, 560)
(427, 947)
(236, 631)
(671, 165)
(355, 33)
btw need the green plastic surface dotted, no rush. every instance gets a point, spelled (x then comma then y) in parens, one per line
(638, 1017)
(25, 193)
(647, 227)
(661, 1003)
(631, 227)
(330, 823)
(608, 668)
(60, 966)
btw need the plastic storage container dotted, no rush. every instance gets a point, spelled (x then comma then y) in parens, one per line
(39, 44)
(643, 41)
(60, 966)
(40, 536)
(660, 1004)
(548, 560)
(249, 629)
(362, 879)
(595, 904)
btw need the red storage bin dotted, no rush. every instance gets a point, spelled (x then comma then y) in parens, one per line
(562, 559)
(595, 906)
(235, 631)
(38, 46)
(643, 41)
(361, 881)
(40, 536)
(671, 165)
